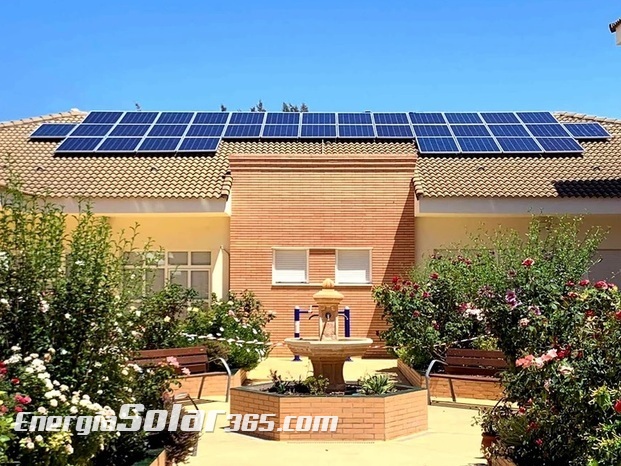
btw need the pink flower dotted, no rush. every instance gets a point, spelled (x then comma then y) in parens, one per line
(22, 399)
(538, 362)
(426, 294)
(434, 276)
(172, 361)
(601, 285)
(528, 262)
(185, 371)
(415, 314)
(525, 362)
(231, 313)
(549, 356)
(584, 282)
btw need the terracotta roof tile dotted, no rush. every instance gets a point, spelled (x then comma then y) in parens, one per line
(110, 177)
(596, 173)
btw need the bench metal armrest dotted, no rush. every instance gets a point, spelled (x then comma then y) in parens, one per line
(228, 379)
(427, 377)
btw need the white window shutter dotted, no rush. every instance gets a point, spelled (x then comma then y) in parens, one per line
(353, 266)
(290, 266)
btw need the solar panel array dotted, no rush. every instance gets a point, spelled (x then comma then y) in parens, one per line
(435, 132)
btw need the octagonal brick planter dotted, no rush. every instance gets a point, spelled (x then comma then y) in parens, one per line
(368, 417)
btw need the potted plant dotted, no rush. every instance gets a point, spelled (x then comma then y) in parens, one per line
(488, 419)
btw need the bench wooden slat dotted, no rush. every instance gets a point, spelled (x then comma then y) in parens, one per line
(473, 353)
(176, 352)
(476, 362)
(465, 377)
(486, 371)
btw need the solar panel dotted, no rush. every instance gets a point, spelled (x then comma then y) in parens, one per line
(318, 131)
(103, 117)
(175, 118)
(139, 117)
(517, 145)
(78, 145)
(437, 145)
(356, 131)
(500, 117)
(470, 130)
(91, 130)
(52, 131)
(247, 118)
(159, 145)
(168, 130)
(391, 119)
(432, 130)
(205, 130)
(548, 130)
(289, 118)
(355, 119)
(280, 131)
(427, 118)
(478, 145)
(536, 117)
(318, 118)
(242, 131)
(463, 118)
(130, 130)
(211, 118)
(119, 145)
(587, 130)
(560, 145)
(394, 131)
(509, 130)
(199, 145)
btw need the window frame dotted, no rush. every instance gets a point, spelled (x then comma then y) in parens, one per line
(306, 269)
(336, 266)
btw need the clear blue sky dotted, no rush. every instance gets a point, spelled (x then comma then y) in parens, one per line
(334, 55)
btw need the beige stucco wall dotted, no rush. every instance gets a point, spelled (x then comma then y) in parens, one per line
(186, 233)
(443, 232)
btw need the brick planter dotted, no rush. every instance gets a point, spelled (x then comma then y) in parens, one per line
(378, 417)
(463, 388)
(215, 383)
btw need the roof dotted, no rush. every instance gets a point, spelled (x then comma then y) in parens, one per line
(595, 173)
(613, 26)
(42, 173)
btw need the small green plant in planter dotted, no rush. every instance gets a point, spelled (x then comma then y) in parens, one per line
(377, 384)
(316, 385)
(488, 419)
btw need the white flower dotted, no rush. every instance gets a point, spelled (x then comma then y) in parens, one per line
(38, 438)
(4, 301)
(138, 313)
(67, 316)
(254, 331)
(15, 348)
(566, 369)
(29, 370)
(167, 319)
(221, 329)
(44, 306)
(34, 355)
(124, 372)
(42, 410)
(73, 410)
(30, 445)
(97, 364)
(230, 303)
(63, 351)
(56, 383)
(53, 403)
(100, 392)
(64, 388)
(69, 449)
(13, 359)
(79, 262)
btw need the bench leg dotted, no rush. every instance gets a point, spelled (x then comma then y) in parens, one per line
(450, 381)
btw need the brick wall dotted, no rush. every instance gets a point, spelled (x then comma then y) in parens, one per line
(322, 201)
(360, 418)
(214, 383)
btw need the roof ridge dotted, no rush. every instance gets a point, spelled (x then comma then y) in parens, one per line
(584, 116)
(49, 116)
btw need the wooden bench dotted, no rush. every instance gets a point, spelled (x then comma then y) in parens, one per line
(467, 364)
(193, 358)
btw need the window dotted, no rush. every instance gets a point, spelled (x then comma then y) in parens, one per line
(353, 266)
(608, 267)
(290, 266)
(190, 269)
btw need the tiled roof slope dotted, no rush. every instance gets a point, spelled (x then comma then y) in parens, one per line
(105, 177)
(303, 147)
(596, 173)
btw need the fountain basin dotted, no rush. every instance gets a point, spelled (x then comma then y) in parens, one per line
(329, 356)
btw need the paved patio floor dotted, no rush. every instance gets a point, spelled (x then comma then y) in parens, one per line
(450, 441)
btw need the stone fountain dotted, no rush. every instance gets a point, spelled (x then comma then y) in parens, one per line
(328, 352)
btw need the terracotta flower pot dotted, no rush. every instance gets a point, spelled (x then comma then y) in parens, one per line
(487, 440)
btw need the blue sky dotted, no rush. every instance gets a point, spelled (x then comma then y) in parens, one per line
(334, 55)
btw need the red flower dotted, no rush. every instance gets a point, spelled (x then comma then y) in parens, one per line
(18, 409)
(395, 279)
(539, 442)
(436, 326)
(3, 409)
(434, 276)
(569, 284)
(528, 262)
(589, 313)
(415, 286)
(572, 295)
(522, 410)
(532, 425)
(601, 285)
(584, 282)
(617, 406)
(563, 353)
(618, 315)
(415, 314)
(426, 294)
(15, 381)
(397, 287)
(3, 370)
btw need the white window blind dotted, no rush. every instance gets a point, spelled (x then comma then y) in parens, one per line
(609, 267)
(290, 266)
(353, 266)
